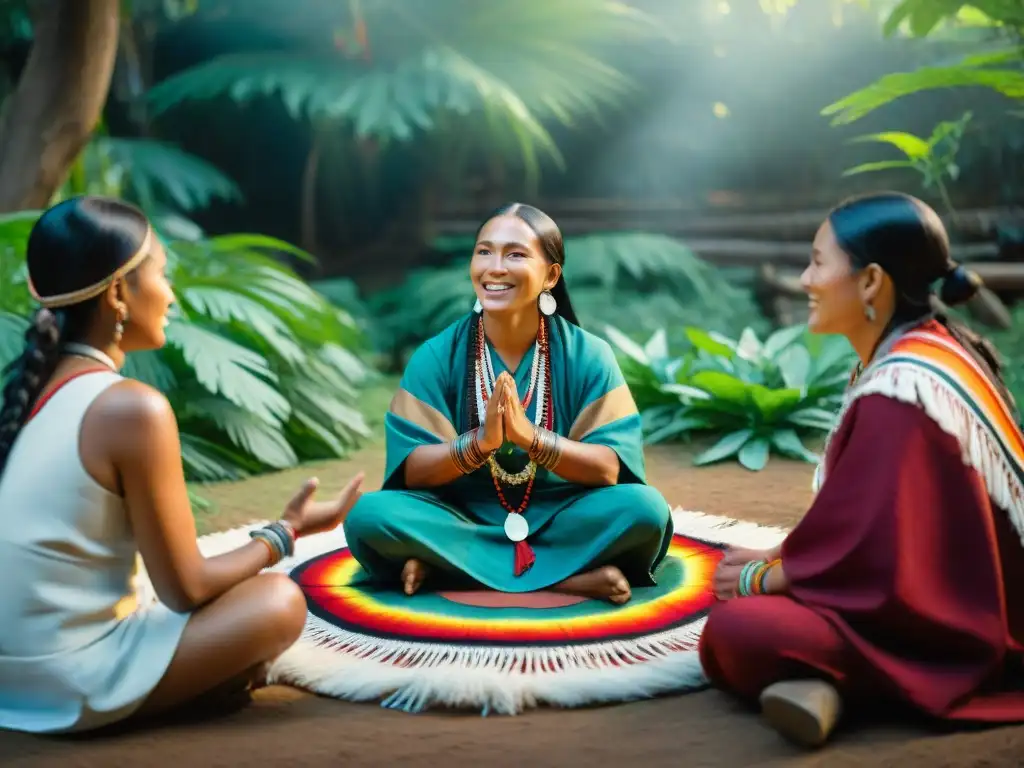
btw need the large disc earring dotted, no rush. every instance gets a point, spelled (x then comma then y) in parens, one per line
(478, 307)
(547, 304)
(869, 313)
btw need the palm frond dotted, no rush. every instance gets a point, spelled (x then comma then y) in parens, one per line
(250, 339)
(442, 58)
(151, 368)
(889, 88)
(223, 367)
(263, 441)
(161, 172)
(206, 461)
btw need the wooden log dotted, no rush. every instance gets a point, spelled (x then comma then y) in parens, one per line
(738, 251)
(734, 252)
(987, 307)
(1001, 276)
(990, 310)
(684, 220)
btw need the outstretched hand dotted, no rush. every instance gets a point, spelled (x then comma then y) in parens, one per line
(308, 517)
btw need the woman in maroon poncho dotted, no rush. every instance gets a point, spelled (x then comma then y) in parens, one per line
(905, 580)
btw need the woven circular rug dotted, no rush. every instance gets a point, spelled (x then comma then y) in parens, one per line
(496, 652)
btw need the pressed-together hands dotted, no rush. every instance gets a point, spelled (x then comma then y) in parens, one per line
(308, 517)
(505, 418)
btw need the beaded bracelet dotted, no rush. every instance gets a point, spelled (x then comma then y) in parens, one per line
(279, 536)
(753, 576)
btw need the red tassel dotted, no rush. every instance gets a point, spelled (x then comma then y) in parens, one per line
(524, 557)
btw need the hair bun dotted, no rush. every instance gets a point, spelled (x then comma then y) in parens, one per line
(959, 285)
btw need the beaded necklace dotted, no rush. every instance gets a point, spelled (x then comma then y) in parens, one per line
(516, 527)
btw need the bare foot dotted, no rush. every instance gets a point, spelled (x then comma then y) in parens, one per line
(604, 583)
(413, 575)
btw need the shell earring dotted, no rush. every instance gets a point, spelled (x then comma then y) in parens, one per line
(478, 307)
(869, 313)
(547, 304)
(122, 318)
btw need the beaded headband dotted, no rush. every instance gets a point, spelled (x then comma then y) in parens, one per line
(94, 290)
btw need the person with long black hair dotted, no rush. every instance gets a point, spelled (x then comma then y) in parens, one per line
(904, 582)
(91, 476)
(514, 448)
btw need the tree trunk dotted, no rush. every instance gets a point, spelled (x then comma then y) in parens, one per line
(58, 100)
(308, 237)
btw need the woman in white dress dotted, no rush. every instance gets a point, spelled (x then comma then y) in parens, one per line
(91, 476)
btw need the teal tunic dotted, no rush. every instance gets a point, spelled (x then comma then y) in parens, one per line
(458, 529)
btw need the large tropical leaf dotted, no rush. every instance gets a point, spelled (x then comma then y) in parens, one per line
(160, 172)
(260, 439)
(261, 369)
(509, 66)
(890, 87)
(224, 367)
(156, 175)
(996, 60)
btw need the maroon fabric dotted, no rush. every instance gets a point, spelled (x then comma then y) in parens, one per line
(902, 554)
(750, 643)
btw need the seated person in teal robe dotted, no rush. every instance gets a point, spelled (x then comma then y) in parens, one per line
(514, 448)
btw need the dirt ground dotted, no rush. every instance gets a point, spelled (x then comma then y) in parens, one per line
(287, 727)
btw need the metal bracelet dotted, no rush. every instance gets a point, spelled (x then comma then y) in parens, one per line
(546, 449)
(466, 454)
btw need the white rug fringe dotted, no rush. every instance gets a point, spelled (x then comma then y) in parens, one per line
(413, 676)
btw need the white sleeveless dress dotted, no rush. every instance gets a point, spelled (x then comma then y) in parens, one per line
(77, 649)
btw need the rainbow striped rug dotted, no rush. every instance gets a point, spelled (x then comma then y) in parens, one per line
(500, 653)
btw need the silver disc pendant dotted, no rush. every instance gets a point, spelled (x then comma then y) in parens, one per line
(516, 527)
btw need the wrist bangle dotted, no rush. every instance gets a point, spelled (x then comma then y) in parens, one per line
(289, 529)
(754, 576)
(275, 554)
(277, 537)
(466, 454)
(546, 449)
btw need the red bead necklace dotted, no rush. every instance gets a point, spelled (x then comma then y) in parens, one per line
(524, 555)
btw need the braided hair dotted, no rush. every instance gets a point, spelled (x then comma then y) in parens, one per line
(76, 248)
(907, 239)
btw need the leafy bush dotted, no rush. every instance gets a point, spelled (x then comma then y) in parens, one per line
(644, 281)
(990, 29)
(483, 77)
(1010, 344)
(258, 365)
(756, 397)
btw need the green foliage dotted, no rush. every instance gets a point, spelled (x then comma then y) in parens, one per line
(1010, 344)
(933, 158)
(641, 280)
(995, 61)
(755, 397)
(395, 70)
(159, 177)
(258, 366)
